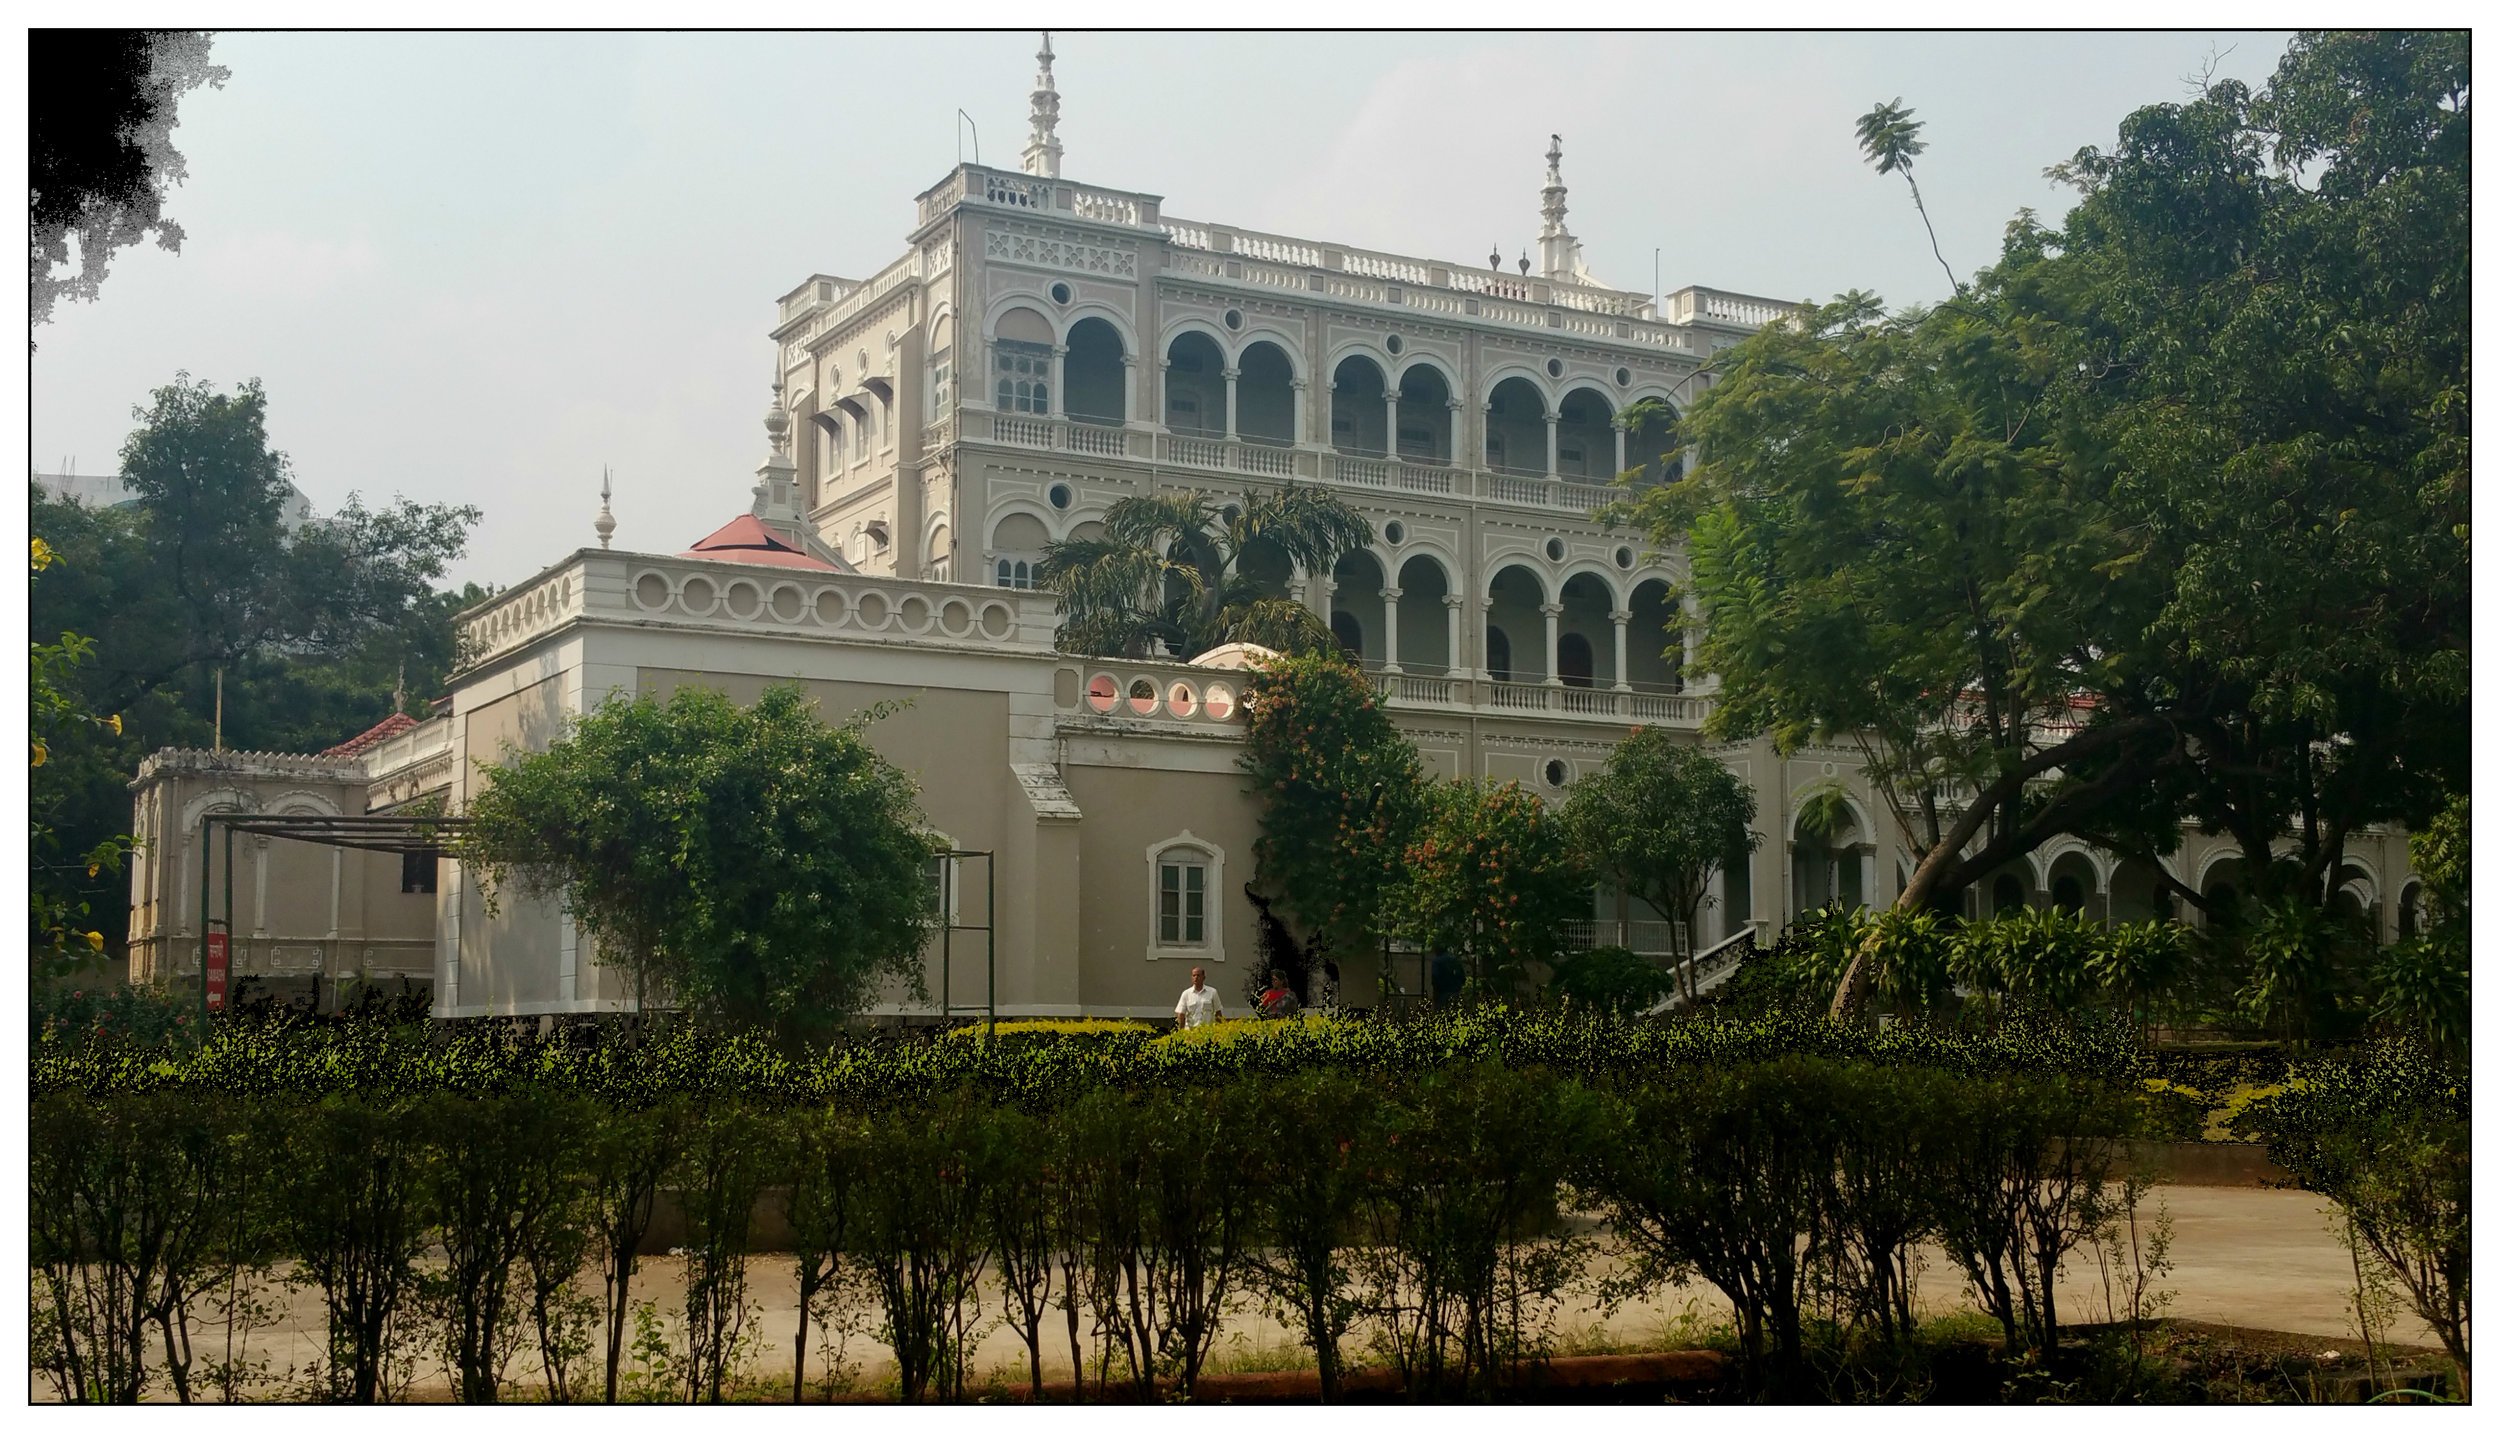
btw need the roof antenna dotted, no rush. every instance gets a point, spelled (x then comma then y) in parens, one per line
(605, 524)
(966, 119)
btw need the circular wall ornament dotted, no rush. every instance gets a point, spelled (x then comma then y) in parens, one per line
(1554, 550)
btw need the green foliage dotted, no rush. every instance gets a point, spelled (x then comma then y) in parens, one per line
(1175, 572)
(2009, 544)
(318, 635)
(1341, 793)
(1660, 819)
(1611, 979)
(2386, 1135)
(56, 711)
(1385, 1184)
(2423, 984)
(1490, 877)
(134, 1201)
(753, 863)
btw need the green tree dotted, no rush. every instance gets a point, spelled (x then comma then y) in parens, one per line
(1340, 789)
(1889, 139)
(1174, 570)
(197, 587)
(1490, 877)
(2161, 521)
(1659, 821)
(1892, 555)
(753, 863)
(2265, 299)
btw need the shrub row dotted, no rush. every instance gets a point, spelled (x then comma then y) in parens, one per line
(1412, 1217)
(283, 1054)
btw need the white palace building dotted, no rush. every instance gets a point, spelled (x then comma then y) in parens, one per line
(1040, 350)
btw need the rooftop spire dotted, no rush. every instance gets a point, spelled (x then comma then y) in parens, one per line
(1559, 251)
(776, 479)
(605, 524)
(1041, 152)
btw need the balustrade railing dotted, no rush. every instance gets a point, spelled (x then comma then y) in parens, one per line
(1426, 474)
(1642, 938)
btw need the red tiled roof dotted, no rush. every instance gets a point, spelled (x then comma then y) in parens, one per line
(747, 540)
(373, 736)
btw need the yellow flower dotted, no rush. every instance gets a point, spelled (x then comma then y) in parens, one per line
(114, 722)
(95, 940)
(40, 754)
(42, 555)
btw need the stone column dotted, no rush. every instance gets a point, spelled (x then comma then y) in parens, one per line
(1456, 604)
(1323, 594)
(1163, 405)
(1132, 401)
(1389, 629)
(1389, 441)
(1620, 436)
(1691, 633)
(1553, 444)
(1456, 408)
(1484, 433)
(1301, 409)
(1232, 409)
(1622, 618)
(1058, 381)
(1553, 640)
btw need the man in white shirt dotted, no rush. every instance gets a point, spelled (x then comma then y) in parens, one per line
(1199, 1005)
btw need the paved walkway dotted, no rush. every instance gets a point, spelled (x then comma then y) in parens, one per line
(2265, 1259)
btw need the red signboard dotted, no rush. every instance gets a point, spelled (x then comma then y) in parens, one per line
(216, 970)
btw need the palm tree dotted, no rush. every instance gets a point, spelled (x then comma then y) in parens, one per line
(1173, 572)
(1890, 138)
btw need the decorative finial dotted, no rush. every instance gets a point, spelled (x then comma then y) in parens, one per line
(605, 524)
(1523, 261)
(776, 479)
(1041, 152)
(1495, 261)
(1561, 252)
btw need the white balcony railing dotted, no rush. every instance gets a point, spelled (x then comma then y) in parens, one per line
(648, 590)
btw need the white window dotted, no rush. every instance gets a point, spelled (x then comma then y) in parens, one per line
(941, 382)
(1181, 900)
(1015, 573)
(1185, 899)
(1023, 373)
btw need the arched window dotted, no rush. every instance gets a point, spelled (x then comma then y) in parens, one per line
(1021, 362)
(1185, 899)
(1016, 549)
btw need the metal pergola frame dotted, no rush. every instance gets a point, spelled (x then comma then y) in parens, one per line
(947, 1009)
(403, 834)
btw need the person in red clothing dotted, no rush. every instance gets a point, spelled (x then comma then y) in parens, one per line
(1278, 999)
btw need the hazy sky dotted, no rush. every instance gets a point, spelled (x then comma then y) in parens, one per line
(478, 268)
